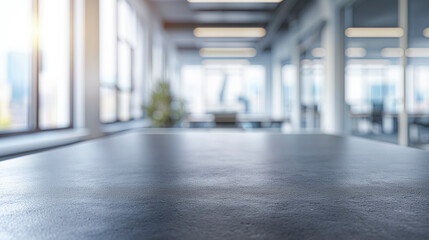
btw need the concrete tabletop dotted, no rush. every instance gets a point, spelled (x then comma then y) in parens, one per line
(217, 186)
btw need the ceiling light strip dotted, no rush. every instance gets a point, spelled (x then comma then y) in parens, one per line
(392, 52)
(426, 32)
(418, 52)
(375, 32)
(226, 62)
(227, 52)
(355, 52)
(238, 32)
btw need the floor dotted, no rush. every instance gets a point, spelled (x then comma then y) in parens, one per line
(217, 186)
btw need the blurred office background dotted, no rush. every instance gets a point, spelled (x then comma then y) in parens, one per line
(72, 70)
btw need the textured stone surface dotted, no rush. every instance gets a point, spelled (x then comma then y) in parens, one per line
(217, 186)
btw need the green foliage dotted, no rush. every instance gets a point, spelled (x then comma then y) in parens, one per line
(164, 110)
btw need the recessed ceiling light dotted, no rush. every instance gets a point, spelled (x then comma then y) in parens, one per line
(368, 62)
(355, 52)
(418, 52)
(225, 44)
(227, 52)
(426, 32)
(392, 52)
(375, 32)
(235, 1)
(226, 62)
(318, 52)
(238, 32)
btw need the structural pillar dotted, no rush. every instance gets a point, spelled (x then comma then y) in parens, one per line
(296, 104)
(333, 112)
(91, 69)
(403, 42)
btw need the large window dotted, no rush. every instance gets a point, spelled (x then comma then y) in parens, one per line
(224, 88)
(35, 61)
(15, 64)
(121, 38)
(54, 67)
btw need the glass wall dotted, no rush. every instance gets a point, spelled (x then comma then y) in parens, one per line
(373, 71)
(418, 73)
(312, 75)
(224, 88)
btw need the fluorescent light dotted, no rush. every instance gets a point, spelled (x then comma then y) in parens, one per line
(235, 1)
(418, 52)
(355, 52)
(363, 32)
(392, 52)
(225, 44)
(227, 52)
(229, 32)
(226, 62)
(368, 62)
(426, 32)
(318, 52)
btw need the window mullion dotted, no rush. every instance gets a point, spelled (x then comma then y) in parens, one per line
(71, 80)
(117, 90)
(34, 90)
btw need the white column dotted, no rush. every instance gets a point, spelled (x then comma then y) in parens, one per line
(403, 116)
(296, 105)
(333, 107)
(276, 90)
(91, 69)
(269, 69)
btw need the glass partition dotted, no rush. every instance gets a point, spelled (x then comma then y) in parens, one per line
(312, 75)
(372, 68)
(418, 73)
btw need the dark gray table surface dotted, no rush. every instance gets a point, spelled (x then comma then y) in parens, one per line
(217, 186)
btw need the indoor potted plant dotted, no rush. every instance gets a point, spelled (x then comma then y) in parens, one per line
(164, 110)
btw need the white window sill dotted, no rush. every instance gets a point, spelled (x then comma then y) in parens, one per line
(123, 126)
(36, 141)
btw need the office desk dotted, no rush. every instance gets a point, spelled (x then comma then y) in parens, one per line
(217, 186)
(209, 121)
